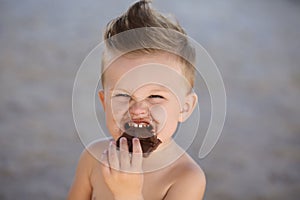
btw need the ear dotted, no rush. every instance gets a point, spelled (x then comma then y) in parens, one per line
(102, 98)
(188, 107)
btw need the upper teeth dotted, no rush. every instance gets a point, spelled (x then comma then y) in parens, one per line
(138, 125)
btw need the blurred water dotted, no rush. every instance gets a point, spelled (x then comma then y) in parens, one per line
(254, 43)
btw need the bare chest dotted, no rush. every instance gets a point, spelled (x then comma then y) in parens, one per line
(156, 185)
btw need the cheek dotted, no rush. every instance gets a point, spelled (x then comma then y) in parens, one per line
(113, 117)
(117, 110)
(167, 116)
(119, 107)
(112, 126)
(159, 113)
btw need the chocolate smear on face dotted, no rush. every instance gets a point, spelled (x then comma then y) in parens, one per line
(149, 141)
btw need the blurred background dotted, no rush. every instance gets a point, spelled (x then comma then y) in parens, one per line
(255, 44)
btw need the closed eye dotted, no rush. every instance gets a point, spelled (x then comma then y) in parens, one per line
(121, 95)
(156, 96)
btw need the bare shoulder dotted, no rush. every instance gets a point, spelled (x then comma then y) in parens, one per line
(82, 187)
(190, 180)
(189, 170)
(93, 152)
(96, 148)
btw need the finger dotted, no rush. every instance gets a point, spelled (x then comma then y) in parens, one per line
(113, 156)
(137, 155)
(104, 164)
(124, 155)
(104, 158)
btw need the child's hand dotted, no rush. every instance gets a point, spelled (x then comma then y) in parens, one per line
(123, 173)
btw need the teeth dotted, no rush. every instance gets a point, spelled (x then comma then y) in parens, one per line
(136, 125)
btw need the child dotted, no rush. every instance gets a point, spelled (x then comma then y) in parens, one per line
(146, 92)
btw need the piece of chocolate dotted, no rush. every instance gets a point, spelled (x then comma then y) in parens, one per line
(149, 142)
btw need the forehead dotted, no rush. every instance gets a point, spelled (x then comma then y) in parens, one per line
(151, 67)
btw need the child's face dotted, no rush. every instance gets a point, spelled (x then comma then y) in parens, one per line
(146, 89)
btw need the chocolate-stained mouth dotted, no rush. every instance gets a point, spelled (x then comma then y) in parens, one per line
(144, 131)
(140, 125)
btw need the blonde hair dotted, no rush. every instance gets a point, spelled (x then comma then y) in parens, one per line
(159, 34)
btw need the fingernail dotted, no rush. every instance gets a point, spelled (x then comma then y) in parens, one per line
(111, 144)
(135, 140)
(103, 154)
(123, 139)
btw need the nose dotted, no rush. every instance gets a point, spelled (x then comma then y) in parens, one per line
(139, 109)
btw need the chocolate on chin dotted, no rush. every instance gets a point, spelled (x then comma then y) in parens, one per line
(149, 141)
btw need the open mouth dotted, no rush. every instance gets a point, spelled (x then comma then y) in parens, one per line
(144, 131)
(141, 125)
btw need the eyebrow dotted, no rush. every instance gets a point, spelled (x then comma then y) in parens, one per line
(159, 88)
(118, 89)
